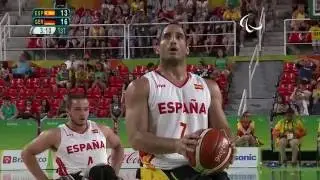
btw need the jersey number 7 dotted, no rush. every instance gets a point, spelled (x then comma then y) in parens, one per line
(184, 127)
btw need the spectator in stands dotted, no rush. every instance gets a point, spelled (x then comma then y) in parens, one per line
(209, 42)
(91, 72)
(194, 38)
(5, 73)
(97, 31)
(155, 45)
(104, 61)
(137, 5)
(99, 77)
(108, 73)
(306, 69)
(279, 107)
(140, 17)
(295, 37)
(116, 111)
(180, 15)
(115, 108)
(300, 97)
(202, 70)
(63, 78)
(92, 114)
(288, 132)
(23, 68)
(97, 18)
(27, 112)
(124, 7)
(45, 108)
(201, 9)
(154, 6)
(232, 14)
(35, 42)
(245, 132)
(107, 5)
(75, 17)
(81, 77)
(51, 42)
(299, 13)
(86, 61)
(117, 13)
(228, 41)
(62, 113)
(8, 110)
(72, 63)
(316, 94)
(114, 40)
(126, 83)
(86, 18)
(106, 16)
(221, 62)
(72, 41)
(315, 36)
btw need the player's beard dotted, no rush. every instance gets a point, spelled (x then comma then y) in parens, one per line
(78, 124)
(74, 122)
(173, 61)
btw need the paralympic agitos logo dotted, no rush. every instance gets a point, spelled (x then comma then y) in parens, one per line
(249, 28)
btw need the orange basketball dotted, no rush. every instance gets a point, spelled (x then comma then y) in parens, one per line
(213, 152)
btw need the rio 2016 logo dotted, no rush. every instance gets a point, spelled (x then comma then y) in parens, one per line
(249, 28)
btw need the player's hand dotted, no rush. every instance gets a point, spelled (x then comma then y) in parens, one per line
(234, 150)
(188, 142)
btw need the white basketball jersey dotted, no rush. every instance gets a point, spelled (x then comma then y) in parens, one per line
(176, 111)
(78, 152)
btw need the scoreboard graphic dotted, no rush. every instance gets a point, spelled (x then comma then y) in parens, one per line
(53, 21)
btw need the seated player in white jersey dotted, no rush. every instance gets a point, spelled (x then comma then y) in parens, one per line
(166, 110)
(79, 144)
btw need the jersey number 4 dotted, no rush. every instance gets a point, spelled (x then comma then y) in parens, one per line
(184, 127)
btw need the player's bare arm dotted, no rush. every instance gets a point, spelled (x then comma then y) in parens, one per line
(137, 124)
(217, 118)
(117, 152)
(46, 140)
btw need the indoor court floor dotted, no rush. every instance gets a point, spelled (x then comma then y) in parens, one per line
(234, 174)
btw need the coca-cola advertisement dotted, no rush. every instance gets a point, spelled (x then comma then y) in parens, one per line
(131, 159)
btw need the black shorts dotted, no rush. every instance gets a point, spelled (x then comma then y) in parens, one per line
(188, 173)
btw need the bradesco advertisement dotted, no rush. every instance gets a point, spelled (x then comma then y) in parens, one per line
(246, 157)
(11, 160)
